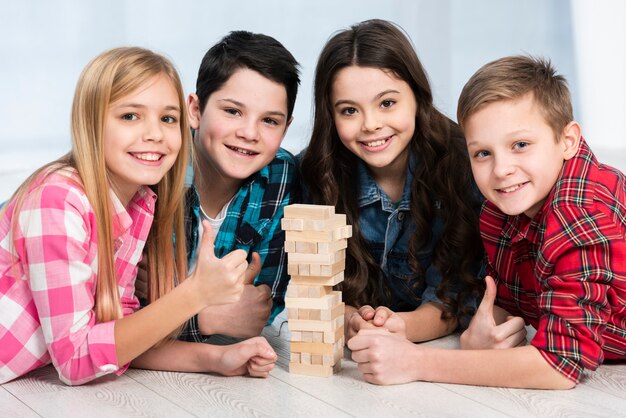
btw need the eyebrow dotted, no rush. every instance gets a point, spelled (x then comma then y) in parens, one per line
(240, 104)
(141, 106)
(378, 96)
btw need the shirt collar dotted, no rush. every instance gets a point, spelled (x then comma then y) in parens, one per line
(145, 199)
(369, 191)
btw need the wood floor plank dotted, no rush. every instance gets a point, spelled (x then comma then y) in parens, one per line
(11, 407)
(109, 396)
(211, 395)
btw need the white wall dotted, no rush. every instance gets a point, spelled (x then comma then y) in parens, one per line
(45, 44)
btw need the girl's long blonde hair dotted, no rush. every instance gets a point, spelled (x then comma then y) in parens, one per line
(107, 78)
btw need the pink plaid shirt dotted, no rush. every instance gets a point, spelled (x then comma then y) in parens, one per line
(48, 273)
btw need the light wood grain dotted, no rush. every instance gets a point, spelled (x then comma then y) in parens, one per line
(162, 394)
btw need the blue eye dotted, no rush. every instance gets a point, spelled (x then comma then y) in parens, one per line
(129, 116)
(521, 144)
(481, 154)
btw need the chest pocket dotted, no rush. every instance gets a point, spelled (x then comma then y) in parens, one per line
(250, 234)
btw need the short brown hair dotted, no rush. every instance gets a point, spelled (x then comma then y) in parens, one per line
(512, 77)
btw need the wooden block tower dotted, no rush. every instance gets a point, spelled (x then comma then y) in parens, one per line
(315, 241)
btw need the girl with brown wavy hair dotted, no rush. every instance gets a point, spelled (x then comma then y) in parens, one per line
(381, 153)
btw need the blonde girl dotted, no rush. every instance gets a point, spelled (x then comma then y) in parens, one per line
(72, 234)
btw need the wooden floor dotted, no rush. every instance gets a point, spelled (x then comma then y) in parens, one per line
(164, 394)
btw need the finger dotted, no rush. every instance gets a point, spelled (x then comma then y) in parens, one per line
(512, 326)
(357, 322)
(486, 305)
(381, 315)
(207, 243)
(366, 312)
(253, 268)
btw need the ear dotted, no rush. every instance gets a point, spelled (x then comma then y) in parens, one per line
(570, 138)
(193, 111)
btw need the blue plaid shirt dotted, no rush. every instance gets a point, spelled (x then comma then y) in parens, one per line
(252, 223)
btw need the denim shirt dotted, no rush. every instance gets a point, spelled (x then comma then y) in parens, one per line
(388, 229)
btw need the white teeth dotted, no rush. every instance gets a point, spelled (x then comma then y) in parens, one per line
(511, 189)
(242, 151)
(148, 156)
(375, 143)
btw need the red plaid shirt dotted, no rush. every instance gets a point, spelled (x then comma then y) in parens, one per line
(564, 270)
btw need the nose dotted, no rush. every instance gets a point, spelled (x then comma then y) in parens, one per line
(371, 122)
(248, 130)
(154, 130)
(503, 166)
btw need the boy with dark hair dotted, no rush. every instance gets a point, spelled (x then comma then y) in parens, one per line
(554, 230)
(240, 179)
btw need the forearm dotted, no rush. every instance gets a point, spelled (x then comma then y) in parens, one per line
(138, 332)
(179, 356)
(520, 367)
(425, 323)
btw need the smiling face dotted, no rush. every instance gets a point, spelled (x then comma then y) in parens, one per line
(142, 137)
(515, 156)
(241, 127)
(374, 113)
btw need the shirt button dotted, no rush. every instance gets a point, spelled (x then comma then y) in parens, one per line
(400, 216)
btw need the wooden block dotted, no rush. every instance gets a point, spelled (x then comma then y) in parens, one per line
(331, 270)
(317, 280)
(332, 359)
(316, 359)
(330, 247)
(295, 357)
(305, 358)
(313, 314)
(319, 236)
(318, 370)
(311, 325)
(321, 270)
(295, 335)
(324, 224)
(305, 247)
(307, 337)
(333, 313)
(303, 314)
(303, 211)
(325, 302)
(293, 270)
(324, 258)
(332, 336)
(292, 313)
(304, 270)
(290, 246)
(313, 348)
(292, 224)
(318, 337)
(319, 291)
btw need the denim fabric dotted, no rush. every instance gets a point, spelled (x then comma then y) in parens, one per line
(388, 229)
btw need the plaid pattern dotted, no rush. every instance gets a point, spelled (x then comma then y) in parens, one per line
(48, 281)
(252, 223)
(564, 271)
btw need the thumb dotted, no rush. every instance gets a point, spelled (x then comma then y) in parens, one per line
(206, 245)
(256, 348)
(490, 296)
(253, 268)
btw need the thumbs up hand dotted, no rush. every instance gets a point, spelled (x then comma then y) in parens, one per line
(484, 332)
(218, 280)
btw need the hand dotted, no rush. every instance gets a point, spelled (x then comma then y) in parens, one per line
(254, 357)
(354, 320)
(367, 317)
(383, 357)
(245, 318)
(383, 317)
(483, 331)
(218, 280)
